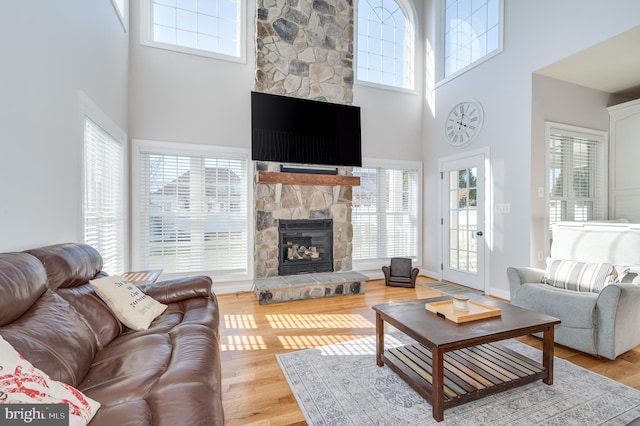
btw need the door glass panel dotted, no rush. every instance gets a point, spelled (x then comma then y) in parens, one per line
(463, 243)
(453, 259)
(453, 199)
(453, 219)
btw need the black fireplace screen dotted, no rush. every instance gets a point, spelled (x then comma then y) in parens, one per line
(305, 246)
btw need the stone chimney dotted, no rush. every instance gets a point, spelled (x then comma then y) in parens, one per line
(304, 49)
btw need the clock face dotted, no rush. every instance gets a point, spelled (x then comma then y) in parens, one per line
(463, 123)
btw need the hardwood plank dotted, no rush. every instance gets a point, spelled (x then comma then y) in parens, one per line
(255, 391)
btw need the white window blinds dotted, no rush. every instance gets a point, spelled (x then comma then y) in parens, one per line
(385, 214)
(576, 173)
(104, 195)
(192, 213)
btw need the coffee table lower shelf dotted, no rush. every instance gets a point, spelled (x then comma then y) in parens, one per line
(470, 373)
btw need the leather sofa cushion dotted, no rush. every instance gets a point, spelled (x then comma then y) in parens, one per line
(167, 370)
(22, 281)
(69, 264)
(96, 313)
(54, 338)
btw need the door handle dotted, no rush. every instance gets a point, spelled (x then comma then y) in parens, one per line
(479, 233)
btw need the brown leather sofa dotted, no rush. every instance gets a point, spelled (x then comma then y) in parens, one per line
(166, 375)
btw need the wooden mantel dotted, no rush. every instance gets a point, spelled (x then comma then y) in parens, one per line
(307, 179)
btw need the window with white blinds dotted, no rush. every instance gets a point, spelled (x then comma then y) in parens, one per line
(191, 211)
(385, 214)
(576, 171)
(104, 195)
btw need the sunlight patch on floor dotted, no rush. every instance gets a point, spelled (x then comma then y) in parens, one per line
(239, 321)
(243, 343)
(319, 321)
(306, 342)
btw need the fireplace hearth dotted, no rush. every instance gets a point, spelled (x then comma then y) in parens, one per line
(305, 246)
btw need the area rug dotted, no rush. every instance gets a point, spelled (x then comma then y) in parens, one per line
(448, 288)
(340, 384)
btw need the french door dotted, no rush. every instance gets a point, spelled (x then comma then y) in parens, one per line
(463, 207)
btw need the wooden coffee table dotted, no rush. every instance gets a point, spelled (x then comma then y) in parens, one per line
(456, 363)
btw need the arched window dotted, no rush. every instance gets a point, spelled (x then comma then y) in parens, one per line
(386, 40)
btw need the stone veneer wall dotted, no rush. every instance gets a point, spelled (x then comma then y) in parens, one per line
(305, 49)
(300, 202)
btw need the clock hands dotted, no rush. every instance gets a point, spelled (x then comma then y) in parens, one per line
(460, 123)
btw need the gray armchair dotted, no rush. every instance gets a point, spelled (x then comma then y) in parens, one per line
(603, 323)
(400, 273)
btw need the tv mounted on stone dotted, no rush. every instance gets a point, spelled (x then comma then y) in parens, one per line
(301, 131)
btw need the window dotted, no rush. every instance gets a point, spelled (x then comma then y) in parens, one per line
(385, 213)
(202, 27)
(190, 212)
(386, 39)
(471, 32)
(104, 188)
(576, 173)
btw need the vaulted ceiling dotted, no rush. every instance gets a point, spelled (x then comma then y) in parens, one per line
(612, 66)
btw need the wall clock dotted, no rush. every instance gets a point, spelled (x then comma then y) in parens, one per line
(463, 123)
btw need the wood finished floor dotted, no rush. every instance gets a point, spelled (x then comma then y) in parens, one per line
(254, 390)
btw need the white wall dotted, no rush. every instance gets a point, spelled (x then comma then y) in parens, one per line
(179, 97)
(50, 51)
(566, 103)
(536, 34)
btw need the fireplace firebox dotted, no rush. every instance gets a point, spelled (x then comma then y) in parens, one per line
(305, 246)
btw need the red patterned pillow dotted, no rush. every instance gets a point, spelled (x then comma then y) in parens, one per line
(22, 383)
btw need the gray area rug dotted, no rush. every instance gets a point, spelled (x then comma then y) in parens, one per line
(448, 288)
(340, 384)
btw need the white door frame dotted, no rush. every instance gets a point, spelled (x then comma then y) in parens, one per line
(488, 203)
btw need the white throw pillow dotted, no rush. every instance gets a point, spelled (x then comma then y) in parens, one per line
(133, 308)
(579, 276)
(22, 383)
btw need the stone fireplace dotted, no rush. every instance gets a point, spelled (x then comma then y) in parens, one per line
(276, 202)
(305, 246)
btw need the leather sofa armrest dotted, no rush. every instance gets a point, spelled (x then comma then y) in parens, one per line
(175, 290)
(520, 275)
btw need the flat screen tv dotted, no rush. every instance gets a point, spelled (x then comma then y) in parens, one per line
(301, 131)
